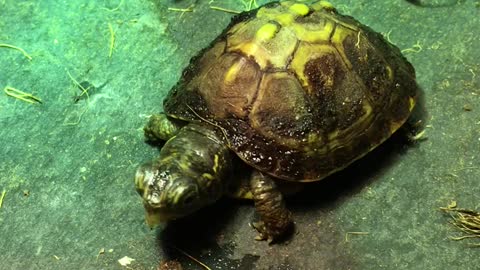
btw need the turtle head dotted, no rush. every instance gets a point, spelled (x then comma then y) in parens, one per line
(167, 196)
(190, 173)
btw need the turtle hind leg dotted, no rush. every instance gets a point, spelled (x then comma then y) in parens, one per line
(161, 128)
(275, 218)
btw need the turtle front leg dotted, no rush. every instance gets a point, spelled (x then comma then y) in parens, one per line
(160, 128)
(275, 218)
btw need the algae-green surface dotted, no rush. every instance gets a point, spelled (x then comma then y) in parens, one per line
(67, 167)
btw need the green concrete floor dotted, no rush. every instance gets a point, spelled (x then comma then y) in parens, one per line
(67, 168)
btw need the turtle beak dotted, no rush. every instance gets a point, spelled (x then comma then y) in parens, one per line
(152, 217)
(155, 216)
(143, 177)
(151, 188)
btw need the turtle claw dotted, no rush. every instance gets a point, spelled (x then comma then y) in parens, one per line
(263, 233)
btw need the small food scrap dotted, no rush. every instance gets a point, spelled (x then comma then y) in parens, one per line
(170, 265)
(101, 252)
(112, 40)
(125, 261)
(19, 94)
(189, 9)
(225, 10)
(4, 192)
(452, 204)
(465, 220)
(354, 233)
(467, 107)
(86, 89)
(18, 49)
(182, 10)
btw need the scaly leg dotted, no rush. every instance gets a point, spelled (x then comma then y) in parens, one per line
(275, 218)
(161, 128)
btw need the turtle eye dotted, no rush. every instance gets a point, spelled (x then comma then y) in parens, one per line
(188, 199)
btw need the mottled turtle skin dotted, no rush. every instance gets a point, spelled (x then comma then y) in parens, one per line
(296, 91)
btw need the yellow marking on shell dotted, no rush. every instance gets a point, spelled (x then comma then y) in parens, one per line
(341, 33)
(367, 109)
(215, 164)
(253, 49)
(394, 126)
(338, 37)
(367, 113)
(314, 36)
(300, 9)
(389, 73)
(266, 32)
(268, 13)
(412, 102)
(285, 19)
(323, 5)
(306, 52)
(340, 138)
(366, 117)
(263, 12)
(232, 72)
(280, 15)
(250, 48)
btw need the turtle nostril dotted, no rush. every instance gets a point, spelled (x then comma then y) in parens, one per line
(153, 199)
(143, 176)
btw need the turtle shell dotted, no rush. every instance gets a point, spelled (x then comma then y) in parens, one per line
(298, 91)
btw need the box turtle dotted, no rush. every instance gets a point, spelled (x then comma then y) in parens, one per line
(296, 91)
